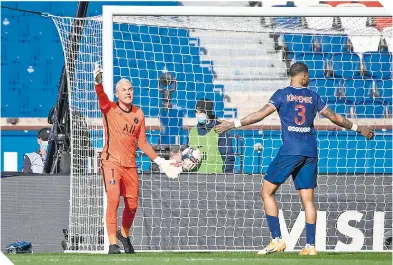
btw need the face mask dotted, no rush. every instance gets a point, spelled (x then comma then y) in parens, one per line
(44, 145)
(201, 118)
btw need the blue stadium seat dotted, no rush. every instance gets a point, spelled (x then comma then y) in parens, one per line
(370, 111)
(173, 32)
(298, 43)
(314, 61)
(192, 59)
(378, 64)
(191, 69)
(341, 109)
(142, 29)
(219, 102)
(331, 43)
(153, 30)
(178, 58)
(137, 37)
(174, 67)
(204, 87)
(384, 88)
(190, 104)
(151, 64)
(328, 88)
(346, 65)
(358, 90)
(158, 48)
(148, 47)
(147, 38)
(178, 41)
(170, 49)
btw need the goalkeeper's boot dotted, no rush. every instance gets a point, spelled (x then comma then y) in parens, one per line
(276, 245)
(309, 250)
(128, 248)
(114, 249)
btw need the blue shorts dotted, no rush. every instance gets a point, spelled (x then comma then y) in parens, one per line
(302, 168)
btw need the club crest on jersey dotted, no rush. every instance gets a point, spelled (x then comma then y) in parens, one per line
(112, 182)
(136, 120)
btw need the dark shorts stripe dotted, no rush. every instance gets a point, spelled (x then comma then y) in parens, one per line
(103, 175)
(107, 134)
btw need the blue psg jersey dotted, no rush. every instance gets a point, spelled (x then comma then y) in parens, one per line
(297, 108)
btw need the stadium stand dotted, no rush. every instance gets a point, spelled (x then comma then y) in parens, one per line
(346, 65)
(348, 69)
(170, 50)
(32, 59)
(378, 65)
(330, 44)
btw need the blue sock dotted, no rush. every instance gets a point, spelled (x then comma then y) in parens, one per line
(274, 225)
(310, 234)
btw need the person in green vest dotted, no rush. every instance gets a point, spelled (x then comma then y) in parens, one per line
(216, 149)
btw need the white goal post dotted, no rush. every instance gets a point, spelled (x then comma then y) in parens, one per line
(223, 212)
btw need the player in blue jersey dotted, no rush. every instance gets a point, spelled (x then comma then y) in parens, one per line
(297, 107)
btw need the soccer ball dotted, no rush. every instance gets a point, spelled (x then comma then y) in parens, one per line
(191, 159)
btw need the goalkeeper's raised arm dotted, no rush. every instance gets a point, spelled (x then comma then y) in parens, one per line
(124, 125)
(124, 128)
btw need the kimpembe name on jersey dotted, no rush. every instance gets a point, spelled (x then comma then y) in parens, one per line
(300, 99)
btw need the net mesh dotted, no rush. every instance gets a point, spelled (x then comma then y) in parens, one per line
(237, 63)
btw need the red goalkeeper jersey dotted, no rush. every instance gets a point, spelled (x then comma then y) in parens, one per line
(124, 132)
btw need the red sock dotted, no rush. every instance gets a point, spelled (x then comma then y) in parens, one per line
(128, 219)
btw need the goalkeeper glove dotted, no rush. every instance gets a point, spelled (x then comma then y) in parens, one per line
(166, 167)
(97, 74)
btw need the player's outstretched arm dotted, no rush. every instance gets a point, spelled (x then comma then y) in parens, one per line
(103, 99)
(344, 123)
(166, 166)
(250, 119)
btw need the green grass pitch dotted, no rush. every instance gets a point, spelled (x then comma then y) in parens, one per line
(221, 258)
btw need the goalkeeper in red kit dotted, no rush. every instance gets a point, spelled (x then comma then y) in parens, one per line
(124, 126)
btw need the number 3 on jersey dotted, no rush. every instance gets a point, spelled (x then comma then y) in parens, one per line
(301, 115)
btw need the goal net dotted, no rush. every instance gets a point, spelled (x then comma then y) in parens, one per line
(237, 63)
